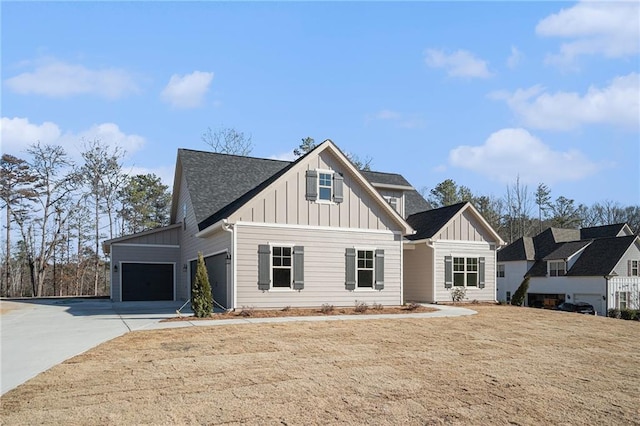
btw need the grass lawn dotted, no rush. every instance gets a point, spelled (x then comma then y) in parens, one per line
(504, 365)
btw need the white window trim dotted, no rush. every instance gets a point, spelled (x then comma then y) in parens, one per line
(500, 267)
(637, 268)
(318, 199)
(465, 272)
(564, 264)
(373, 270)
(272, 287)
(396, 200)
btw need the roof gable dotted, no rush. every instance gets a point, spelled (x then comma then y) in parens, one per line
(601, 256)
(604, 231)
(520, 249)
(566, 250)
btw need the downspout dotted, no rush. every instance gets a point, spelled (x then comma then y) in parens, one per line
(430, 244)
(230, 227)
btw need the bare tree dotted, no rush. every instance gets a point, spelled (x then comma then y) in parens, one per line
(565, 213)
(519, 208)
(228, 141)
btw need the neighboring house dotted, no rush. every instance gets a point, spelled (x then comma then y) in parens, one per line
(453, 247)
(273, 233)
(597, 265)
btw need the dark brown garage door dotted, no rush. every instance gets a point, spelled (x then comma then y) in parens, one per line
(147, 281)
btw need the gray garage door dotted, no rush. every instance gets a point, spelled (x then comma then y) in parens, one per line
(593, 299)
(217, 271)
(147, 281)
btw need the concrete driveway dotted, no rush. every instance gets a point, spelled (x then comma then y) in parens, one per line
(38, 334)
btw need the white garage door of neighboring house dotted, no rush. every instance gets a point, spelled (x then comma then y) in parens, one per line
(593, 299)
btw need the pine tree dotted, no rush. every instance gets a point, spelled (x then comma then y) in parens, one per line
(201, 299)
(521, 292)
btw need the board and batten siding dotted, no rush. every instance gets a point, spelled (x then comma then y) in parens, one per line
(324, 266)
(191, 245)
(284, 202)
(138, 254)
(418, 273)
(465, 249)
(163, 237)
(464, 227)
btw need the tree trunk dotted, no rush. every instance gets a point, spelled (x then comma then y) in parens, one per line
(5, 292)
(97, 261)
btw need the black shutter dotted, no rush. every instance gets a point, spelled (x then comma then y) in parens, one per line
(264, 267)
(312, 185)
(298, 268)
(448, 272)
(379, 285)
(481, 272)
(338, 183)
(350, 269)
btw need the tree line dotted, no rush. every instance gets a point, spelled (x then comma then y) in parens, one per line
(525, 212)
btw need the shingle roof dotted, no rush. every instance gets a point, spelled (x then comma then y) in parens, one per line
(603, 231)
(601, 256)
(414, 203)
(221, 183)
(427, 223)
(566, 250)
(520, 249)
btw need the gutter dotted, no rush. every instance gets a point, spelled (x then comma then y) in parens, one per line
(211, 229)
(230, 227)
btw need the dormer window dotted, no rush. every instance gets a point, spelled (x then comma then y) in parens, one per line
(393, 202)
(324, 186)
(557, 268)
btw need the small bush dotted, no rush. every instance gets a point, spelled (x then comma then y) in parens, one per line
(458, 294)
(613, 313)
(521, 292)
(412, 306)
(628, 314)
(361, 307)
(377, 306)
(246, 311)
(475, 302)
(286, 309)
(326, 308)
(201, 298)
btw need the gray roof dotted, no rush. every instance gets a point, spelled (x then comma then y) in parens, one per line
(603, 231)
(520, 249)
(601, 256)
(566, 250)
(427, 223)
(221, 183)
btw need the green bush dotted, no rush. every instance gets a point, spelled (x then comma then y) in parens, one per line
(628, 314)
(201, 299)
(613, 313)
(521, 292)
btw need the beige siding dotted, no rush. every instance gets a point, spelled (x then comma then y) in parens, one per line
(165, 237)
(464, 227)
(465, 249)
(418, 273)
(397, 194)
(191, 245)
(284, 202)
(324, 266)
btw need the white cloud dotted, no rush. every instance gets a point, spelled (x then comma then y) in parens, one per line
(606, 28)
(18, 133)
(187, 91)
(508, 153)
(514, 59)
(58, 79)
(460, 63)
(407, 121)
(165, 173)
(284, 156)
(616, 104)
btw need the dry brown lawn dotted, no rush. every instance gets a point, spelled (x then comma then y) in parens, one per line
(504, 365)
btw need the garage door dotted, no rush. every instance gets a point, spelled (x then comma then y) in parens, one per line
(147, 281)
(593, 299)
(217, 271)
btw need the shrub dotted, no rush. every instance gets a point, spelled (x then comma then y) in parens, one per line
(521, 292)
(246, 311)
(458, 294)
(613, 313)
(628, 314)
(377, 306)
(361, 307)
(286, 309)
(201, 299)
(412, 306)
(326, 308)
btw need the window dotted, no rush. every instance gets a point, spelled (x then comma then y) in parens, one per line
(508, 297)
(393, 202)
(634, 268)
(281, 267)
(622, 299)
(325, 187)
(557, 268)
(500, 270)
(364, 269)
(465, 271)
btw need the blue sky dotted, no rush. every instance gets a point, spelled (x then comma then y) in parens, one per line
(479, 92)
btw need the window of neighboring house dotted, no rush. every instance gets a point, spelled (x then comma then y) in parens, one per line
(325, 186)
(557, 268)
(634, 268)
(393, 202)
(282, 267)
(364, 269)
(622, 299)
(508, 297)
(500, 270)
(465, 271)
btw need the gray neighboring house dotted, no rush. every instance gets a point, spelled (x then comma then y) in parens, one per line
(273, 233)
(598, 265)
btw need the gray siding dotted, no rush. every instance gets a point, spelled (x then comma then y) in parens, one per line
(141, 254)
(324, 266)
(465, 249)
(418, 273)
(163, 237)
